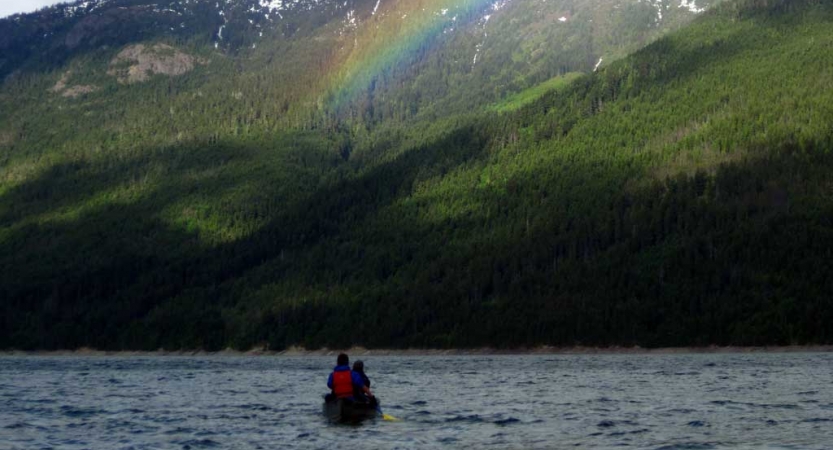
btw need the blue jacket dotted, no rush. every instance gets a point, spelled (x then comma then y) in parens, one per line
(357, 379)
(357, 391)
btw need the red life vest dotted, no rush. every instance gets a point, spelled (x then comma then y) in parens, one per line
(343, 383)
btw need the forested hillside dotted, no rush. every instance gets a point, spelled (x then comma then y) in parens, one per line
(416, 174)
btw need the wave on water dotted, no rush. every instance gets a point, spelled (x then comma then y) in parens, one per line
(24, 426)
(180, 430)
(625, 433)
(199, 443)
(472, 418)
(688, 446)
(818, 420)
(80, 412)
(256, 407)
(507, 421)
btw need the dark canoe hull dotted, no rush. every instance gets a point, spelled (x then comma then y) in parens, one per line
(347, 410)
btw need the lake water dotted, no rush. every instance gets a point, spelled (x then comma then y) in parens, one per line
(689, 401)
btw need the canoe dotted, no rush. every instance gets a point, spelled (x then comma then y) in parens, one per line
(349, 410)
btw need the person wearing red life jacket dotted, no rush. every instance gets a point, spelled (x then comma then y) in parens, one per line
(343, 381)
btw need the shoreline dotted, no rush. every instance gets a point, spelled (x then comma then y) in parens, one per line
(485, 351)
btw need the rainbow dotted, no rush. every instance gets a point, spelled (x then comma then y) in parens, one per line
(393, 33)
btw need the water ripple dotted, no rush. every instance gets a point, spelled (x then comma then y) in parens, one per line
(535, 402)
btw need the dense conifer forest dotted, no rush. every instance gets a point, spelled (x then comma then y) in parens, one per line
(558, 173)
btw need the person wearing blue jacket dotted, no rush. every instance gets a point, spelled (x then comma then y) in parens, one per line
(358, 367)
(343, 381)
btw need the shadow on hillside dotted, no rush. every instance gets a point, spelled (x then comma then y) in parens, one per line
(88, 249)
(675, 261)
(83, 262)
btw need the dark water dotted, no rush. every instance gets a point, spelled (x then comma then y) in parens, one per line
(707, 401)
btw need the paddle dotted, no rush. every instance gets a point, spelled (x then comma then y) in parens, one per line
(387, 417)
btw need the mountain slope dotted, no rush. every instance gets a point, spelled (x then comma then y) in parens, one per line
(679, 196)
(300, 63)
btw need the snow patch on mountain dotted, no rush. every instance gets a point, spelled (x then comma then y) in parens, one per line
(493, 8)
(81, 7)
(691, 5)
(271, 4)
(660, 7)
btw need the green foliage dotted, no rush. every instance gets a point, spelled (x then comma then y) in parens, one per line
(528, 96)
(679, 196)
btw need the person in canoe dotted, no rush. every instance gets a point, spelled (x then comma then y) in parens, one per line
(358, 367)
(345, 383)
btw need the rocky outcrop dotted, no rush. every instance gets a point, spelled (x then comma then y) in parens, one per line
(137, 63)
(62, 83)
(62, 87)
(77, 91)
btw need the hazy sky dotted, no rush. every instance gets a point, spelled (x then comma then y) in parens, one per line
(9, 7)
